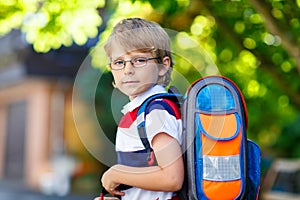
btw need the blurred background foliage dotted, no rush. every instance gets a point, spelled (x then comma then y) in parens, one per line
(256, 43)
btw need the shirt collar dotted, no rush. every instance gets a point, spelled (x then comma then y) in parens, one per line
(137, 101)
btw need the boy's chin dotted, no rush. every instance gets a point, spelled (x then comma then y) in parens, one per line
(137, 91)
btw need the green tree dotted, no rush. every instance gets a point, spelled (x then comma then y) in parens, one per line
(48, 24)
(256, 43)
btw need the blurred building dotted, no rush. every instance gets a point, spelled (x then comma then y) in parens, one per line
(36, 121)
(282, 180)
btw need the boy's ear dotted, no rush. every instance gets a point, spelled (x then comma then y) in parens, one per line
(166, 62)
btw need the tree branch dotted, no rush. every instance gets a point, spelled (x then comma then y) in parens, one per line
(272, 25)
(266, 64)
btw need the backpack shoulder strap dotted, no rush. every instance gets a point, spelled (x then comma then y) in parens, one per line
(141, 114)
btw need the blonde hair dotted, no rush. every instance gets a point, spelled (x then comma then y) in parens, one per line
(142, 35)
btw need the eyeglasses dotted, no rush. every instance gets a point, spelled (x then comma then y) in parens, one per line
(137, 62)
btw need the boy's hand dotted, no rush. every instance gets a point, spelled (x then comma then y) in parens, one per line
(109, 184)
(115, 191)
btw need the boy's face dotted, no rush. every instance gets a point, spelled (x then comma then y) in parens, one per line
(133, 81)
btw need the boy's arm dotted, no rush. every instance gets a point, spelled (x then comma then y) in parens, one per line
(167, 176)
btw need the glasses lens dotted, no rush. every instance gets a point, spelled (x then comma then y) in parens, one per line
(139, 62)
(117, 64)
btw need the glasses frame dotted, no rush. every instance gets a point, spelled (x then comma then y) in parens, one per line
(132, 62)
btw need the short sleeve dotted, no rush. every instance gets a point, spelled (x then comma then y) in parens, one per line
(163, 116)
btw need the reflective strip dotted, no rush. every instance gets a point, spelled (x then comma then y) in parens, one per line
(221, 168)
(140, 118)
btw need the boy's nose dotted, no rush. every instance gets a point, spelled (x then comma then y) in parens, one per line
(128, 68)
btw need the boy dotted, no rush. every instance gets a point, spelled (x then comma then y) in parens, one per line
(141, 64)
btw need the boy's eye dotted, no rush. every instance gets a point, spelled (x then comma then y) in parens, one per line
(139, 61)
(119, 62)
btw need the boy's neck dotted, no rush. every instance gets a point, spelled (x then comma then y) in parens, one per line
(133, 97)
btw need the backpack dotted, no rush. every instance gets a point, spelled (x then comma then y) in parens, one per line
(220, 162)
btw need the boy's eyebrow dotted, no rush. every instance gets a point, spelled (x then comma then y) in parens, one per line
(130, 54)
(118, 58)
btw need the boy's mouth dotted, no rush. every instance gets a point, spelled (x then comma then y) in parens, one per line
(129, 82)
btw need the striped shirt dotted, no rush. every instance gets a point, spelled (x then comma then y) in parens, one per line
(162, 115)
